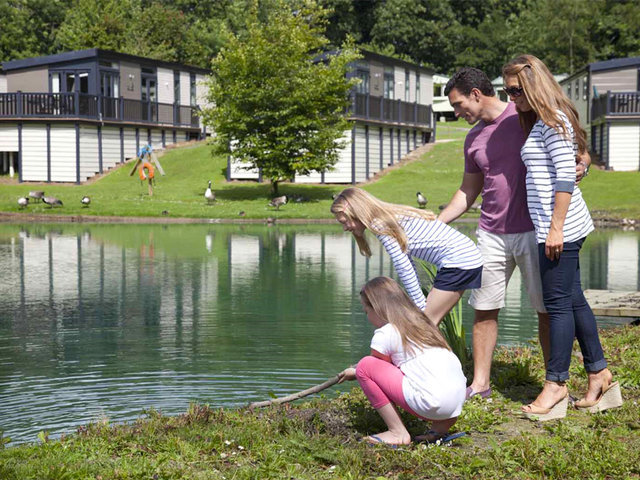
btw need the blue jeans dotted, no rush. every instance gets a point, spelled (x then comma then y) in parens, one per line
(570, 315)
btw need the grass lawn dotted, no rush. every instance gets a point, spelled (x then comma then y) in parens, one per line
(180, 193)
(319, 439)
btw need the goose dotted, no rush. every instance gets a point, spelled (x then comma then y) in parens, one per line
(422, 201)
(37, 195)
(209, 195)
(52, 201)
(278, 202)
(23, 202)
(86, 201)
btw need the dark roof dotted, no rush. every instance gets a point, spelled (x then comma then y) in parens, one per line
(93, 53)
(394, 61)
(614, 63)
(367, 55)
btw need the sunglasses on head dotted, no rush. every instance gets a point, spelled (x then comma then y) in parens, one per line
(513, 91)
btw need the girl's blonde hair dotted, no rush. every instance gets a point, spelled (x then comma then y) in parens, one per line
(546, 97)
(390, 302)
(378, 216)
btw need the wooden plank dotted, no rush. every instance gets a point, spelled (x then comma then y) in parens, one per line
(614, 304)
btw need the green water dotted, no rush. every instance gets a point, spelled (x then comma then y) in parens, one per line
(107, 320)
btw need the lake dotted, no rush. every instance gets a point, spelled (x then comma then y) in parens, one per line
(103, 321)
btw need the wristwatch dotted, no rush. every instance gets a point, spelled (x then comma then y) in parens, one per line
(586, 168)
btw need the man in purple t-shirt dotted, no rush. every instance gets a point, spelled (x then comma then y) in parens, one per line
(506, 237)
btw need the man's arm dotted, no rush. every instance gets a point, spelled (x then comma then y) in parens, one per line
(465, 196)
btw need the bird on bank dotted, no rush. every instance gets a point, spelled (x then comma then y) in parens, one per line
(278, 202)
(52, 201)
(23, 202)
(85, 201)
(209, 195)
(37, 195)
(422, 201)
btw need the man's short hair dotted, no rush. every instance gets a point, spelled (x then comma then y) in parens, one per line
(468, 78)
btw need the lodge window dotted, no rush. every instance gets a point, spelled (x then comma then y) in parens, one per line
(363, 85)
(585, 88)
(388, 83)
(417, 88)
(407, 84)
(192, 89)
(576, 93)
(176, 87)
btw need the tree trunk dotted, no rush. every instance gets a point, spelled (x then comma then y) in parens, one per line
(274, 188)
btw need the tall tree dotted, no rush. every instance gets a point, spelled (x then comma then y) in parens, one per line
(279, 105)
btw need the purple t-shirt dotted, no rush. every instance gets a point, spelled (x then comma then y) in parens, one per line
(493, 149)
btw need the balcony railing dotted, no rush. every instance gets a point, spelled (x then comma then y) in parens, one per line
(616, 104)
(392, 111)
(95, 107)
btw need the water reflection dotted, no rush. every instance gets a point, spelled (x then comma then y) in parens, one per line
(108, 320)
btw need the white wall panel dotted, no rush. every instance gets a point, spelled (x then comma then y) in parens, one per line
(374, 150)
(110, 147)
(360, 154)
(130, 143)
(185, 95)
(3, 84)
(165, 85)
(63, 153)
(156, 139)
(624, 146)
(89, 153)
(8, 137)
(34, 152)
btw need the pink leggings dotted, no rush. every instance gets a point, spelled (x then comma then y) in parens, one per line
(381, 382)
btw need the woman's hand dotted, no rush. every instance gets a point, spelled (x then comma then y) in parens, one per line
(347, 374)
(554, 243)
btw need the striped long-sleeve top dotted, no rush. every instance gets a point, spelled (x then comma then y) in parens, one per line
(550, 158)
(434, 242)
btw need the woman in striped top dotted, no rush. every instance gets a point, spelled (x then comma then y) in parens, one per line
(562, 222)
(408, 233)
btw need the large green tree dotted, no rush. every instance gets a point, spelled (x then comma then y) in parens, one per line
(279, 98)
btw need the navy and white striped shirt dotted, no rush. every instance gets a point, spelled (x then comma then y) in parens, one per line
(550, 158)
(434, 242)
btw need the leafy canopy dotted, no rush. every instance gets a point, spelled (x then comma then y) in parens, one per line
(280, 99)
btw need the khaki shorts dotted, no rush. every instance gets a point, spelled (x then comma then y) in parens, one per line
(501, 253)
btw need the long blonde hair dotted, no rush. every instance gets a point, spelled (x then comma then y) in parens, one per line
(546, 97)
(378, 216)
(390, 302)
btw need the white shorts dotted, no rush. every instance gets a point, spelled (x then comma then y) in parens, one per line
(501, 253)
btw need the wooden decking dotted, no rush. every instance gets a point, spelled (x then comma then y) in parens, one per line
(614, 304)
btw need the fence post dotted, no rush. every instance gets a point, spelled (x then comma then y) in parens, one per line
(19, 103)
(76, 105)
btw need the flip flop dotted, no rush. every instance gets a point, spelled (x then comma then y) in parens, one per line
(441, 438)
(472, 393)
(379, 441)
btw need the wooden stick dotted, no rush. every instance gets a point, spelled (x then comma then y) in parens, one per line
(135, 166)
(295, 396)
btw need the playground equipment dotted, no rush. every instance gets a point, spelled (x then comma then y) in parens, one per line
(146, 160)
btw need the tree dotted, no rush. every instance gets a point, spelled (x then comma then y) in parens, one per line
(280, 99)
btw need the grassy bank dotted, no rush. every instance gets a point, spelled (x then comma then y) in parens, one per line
(318, 439)
(180, 193)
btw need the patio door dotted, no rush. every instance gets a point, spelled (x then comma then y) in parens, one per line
(109, 91)
(149, 96)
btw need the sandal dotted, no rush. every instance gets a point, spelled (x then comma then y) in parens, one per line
(438, 438)
(610, 397)
(558, 410)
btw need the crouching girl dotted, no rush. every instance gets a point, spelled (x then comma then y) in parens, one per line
(410, 366)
